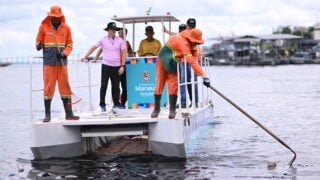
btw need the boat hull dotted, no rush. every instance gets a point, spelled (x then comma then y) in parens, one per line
(55, 140)
(172, 137)
(64, 139)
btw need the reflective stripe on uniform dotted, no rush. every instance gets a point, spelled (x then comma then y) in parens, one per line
(54, 44)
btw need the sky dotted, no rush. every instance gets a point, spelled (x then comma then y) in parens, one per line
(20, 19)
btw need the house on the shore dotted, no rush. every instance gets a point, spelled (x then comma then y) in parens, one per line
(252, 49)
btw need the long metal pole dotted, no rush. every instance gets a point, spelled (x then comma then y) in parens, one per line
(257, 123)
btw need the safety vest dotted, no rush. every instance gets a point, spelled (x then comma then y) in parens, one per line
(55, 41)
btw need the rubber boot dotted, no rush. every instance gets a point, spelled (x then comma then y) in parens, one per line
(67, 104)
(47, 107)
(172, 108)
(156, 110)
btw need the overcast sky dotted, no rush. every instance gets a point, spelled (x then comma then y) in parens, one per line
(20, 19)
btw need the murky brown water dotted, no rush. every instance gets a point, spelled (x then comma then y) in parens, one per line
(286, 99)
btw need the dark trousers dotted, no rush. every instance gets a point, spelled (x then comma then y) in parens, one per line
(109, 72)
(123, 82)
(189, 86)
(185, 75)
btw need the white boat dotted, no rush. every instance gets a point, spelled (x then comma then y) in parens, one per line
(173, 138)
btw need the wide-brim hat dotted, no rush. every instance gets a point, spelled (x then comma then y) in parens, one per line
(112, 25)
(55, 11)
(193, 35)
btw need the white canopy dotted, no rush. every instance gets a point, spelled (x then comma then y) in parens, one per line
(145, 19)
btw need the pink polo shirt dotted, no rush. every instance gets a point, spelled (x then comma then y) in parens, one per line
(111, 50)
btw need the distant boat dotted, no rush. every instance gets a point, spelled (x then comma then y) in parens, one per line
(300, 58)
(4, 64)
(266, 61)
(282, 60)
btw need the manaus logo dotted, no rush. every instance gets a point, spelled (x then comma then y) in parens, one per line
(146, 76)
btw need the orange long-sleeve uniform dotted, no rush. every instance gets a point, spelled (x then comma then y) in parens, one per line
(176, 49)
(55, 69)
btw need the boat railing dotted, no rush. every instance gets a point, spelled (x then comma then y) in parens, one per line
(37, 60)
(26, 59)
(195, 83)
(204, 95)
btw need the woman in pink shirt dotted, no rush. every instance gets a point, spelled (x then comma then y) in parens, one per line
(113, 61)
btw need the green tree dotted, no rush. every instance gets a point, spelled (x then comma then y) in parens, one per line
(286, 30)
(305, 35)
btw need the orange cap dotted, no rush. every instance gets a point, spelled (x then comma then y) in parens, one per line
(55, 11)
(193, 35)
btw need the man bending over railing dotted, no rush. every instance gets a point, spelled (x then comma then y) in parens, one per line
(177, 48)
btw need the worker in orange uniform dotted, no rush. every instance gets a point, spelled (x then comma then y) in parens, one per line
(54, 37)
(178, 48)
(185, 70)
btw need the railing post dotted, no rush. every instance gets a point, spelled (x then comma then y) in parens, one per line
(202, 88)
(193, 90)
(186, 84)
(90, 90)
(209, 74)
(30, 86)
(179, 90)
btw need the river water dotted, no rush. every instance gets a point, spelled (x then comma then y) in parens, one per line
(286, 99)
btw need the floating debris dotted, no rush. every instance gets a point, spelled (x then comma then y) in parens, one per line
(135, 145)
(44, 174)
(20, 168)
(71, 177)
(272, 165)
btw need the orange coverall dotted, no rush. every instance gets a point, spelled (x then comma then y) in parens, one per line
(176, 49)
(55, 69)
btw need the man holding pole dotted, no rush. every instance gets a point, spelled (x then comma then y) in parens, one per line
(185, 69)
(54, 37)
(178, 48)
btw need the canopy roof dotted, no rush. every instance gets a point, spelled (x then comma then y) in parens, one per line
(246, 38)
(279, 37)
(145, 19)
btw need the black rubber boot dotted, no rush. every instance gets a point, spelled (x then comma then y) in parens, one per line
(156, 110)
(47, 107)
(67, 104)
(172, 108)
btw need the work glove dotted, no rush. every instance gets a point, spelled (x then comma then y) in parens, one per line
(61, 56)
(206, 81)
(39, 46)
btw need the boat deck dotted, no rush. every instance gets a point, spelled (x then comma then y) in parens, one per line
(118, 117)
